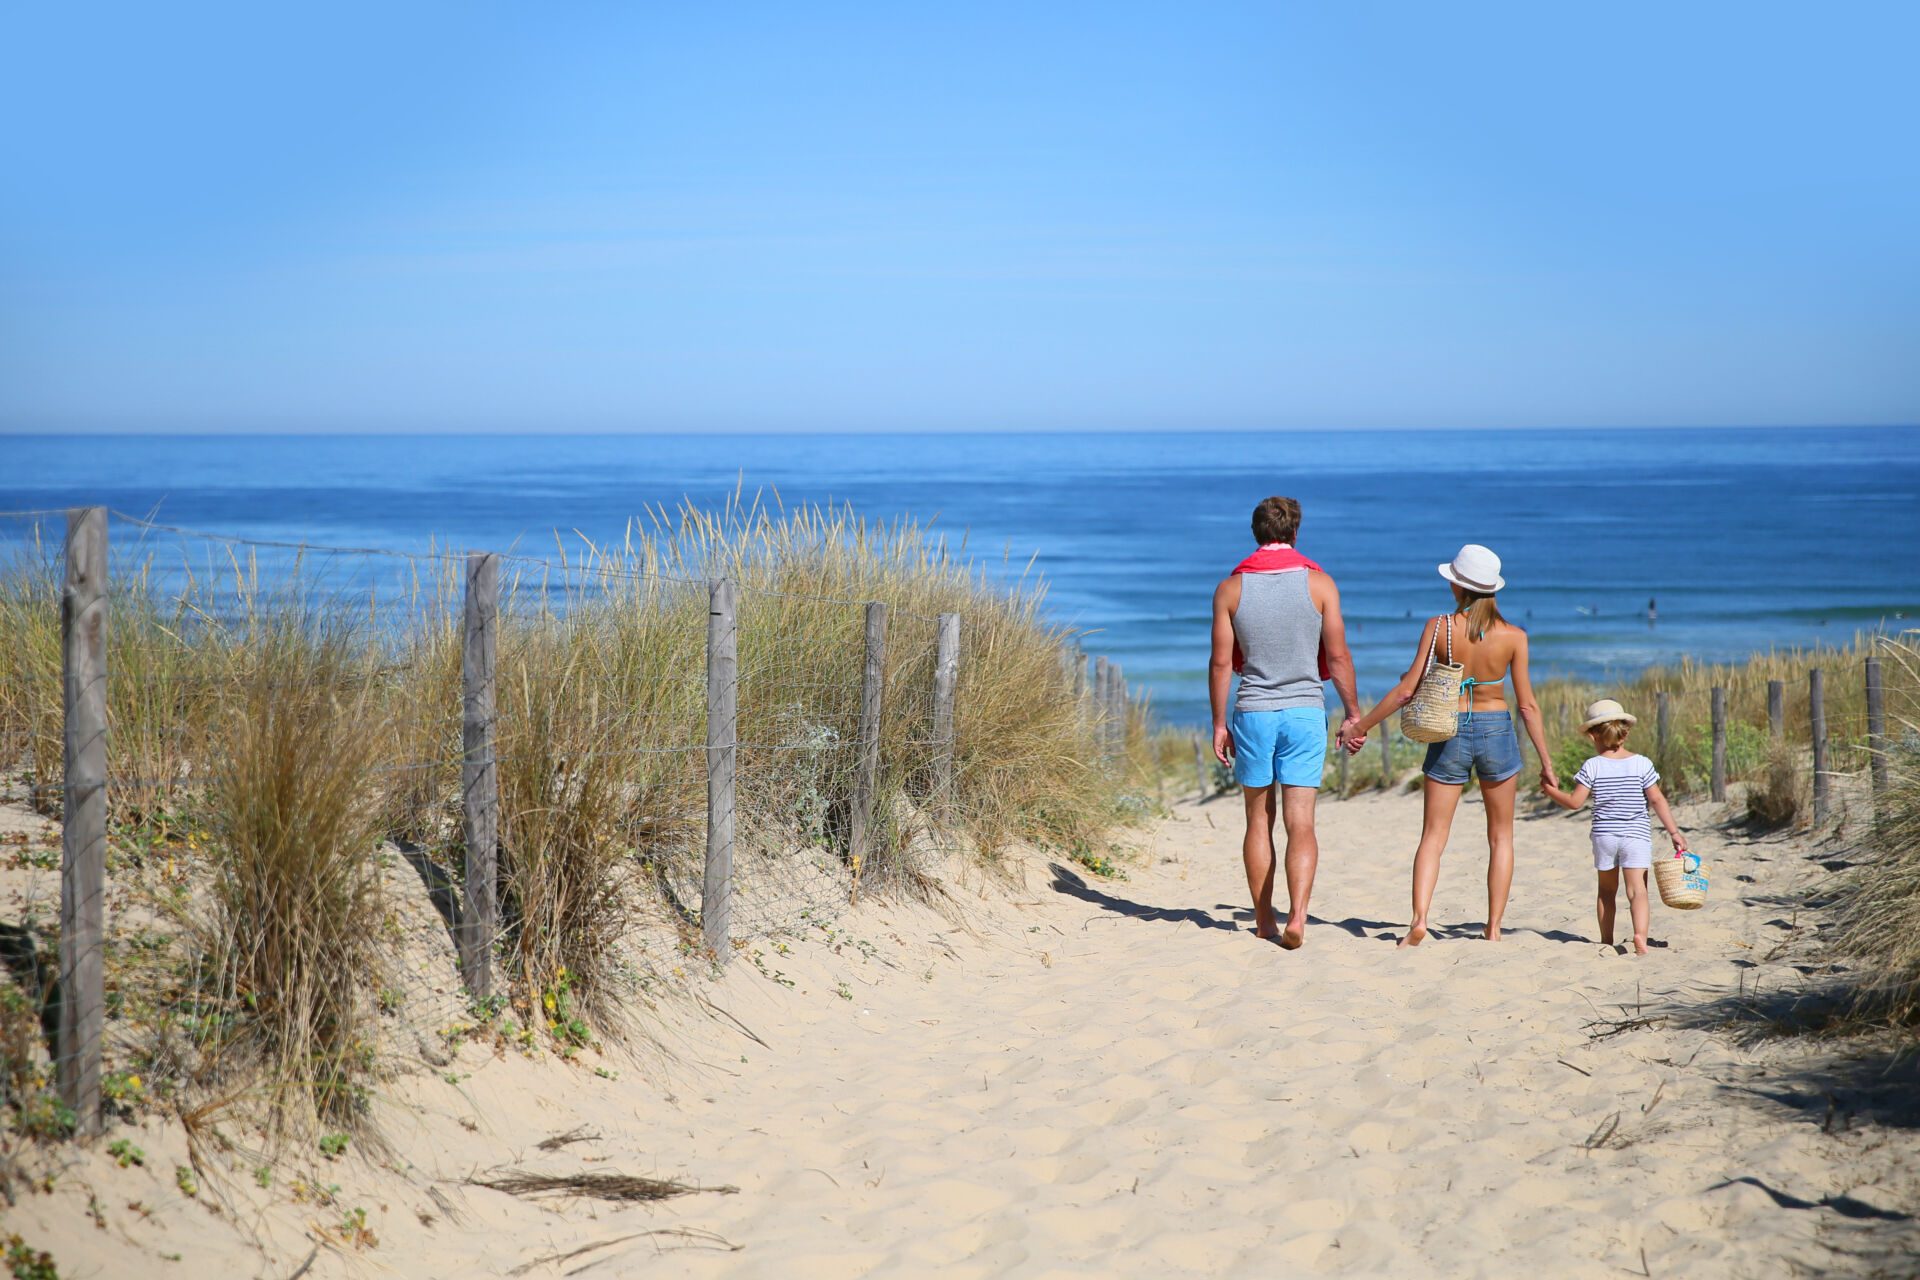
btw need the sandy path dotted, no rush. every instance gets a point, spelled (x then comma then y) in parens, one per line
(1115, 1078)
(1119, 1080)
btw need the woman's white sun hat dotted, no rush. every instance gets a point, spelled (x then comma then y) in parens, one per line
(1604, 710)
(1476, 569)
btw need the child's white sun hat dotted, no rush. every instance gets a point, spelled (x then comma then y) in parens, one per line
(1604, 710)
(1476, 569)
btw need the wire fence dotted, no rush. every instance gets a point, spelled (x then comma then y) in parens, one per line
(506, 793)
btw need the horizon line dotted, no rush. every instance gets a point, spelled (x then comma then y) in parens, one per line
(668, 433)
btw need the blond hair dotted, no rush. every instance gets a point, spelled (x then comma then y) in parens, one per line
(1481, 612)
(1609, 734)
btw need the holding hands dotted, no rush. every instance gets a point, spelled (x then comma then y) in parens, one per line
(1351, 736)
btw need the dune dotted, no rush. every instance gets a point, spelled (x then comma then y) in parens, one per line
(1058, 1075)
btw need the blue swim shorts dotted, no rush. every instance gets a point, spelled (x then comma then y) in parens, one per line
(1484, 744)
(1288, 746)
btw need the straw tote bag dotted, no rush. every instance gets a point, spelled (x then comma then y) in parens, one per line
(1432, 714)
(1682, 880)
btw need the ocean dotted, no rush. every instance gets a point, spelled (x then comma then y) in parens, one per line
(1746, 539)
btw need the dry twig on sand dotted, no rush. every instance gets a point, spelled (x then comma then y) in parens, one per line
(695, 1237)
(600, 1186)
(559, 1140)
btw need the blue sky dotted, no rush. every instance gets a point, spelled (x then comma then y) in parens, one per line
(607, 217)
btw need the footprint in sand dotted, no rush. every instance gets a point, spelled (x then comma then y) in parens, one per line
(1063, 1171)
(1111, 1113)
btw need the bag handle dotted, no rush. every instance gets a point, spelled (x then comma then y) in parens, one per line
(1434, 640)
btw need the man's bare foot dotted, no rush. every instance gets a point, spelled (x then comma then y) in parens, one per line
(1416, 934)
(1293, 936)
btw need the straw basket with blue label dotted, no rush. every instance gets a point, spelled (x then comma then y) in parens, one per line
(1682, 880)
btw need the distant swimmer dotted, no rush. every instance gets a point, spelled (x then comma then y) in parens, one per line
(1653, 611)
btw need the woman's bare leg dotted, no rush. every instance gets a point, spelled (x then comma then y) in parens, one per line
(1499, 801)
(1604, 902)
(1637, 904)
(1436, 822)
(1257, 852)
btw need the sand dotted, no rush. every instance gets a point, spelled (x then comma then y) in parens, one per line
(1069, 1076)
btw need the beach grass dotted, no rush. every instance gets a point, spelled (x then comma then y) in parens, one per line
(1752, 756)
(296, 728)
(1879, 897)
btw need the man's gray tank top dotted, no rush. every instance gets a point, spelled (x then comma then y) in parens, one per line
(1279, 633)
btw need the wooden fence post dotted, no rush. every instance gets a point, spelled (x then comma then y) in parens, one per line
(1719, 743)
(867, 773)
(723, 741)
(1876, 726)
(1102, 697)
(479, 773)
(1078, 682)
(1776, 709)
(1386, 755)
(83, 861)
(1662, 722)
(946, 674)
(1817, 715)
(1119, 693)
(1200, 754)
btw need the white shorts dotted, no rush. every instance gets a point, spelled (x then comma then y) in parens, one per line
(1610, 852)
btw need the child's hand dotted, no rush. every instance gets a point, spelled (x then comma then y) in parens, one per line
(1548, 782)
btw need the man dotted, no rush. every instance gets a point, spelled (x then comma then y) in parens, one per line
(1276, 620)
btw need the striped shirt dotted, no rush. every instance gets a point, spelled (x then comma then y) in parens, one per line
(1619, 790)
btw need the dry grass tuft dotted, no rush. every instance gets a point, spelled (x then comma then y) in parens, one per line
(1880, 901)
(1778, 797)
(294, 891)
(568, 823)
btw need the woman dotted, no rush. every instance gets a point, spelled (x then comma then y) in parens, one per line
(1489, 647)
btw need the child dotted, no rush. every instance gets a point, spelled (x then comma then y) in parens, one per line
(1622, 785)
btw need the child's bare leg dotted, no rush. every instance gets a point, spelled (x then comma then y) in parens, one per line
(1498, 798)
(1257, 852)
(1637, 905)
(1441, 798)
(1604, 902)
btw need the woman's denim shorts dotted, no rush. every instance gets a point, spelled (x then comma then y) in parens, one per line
(1484, 744)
